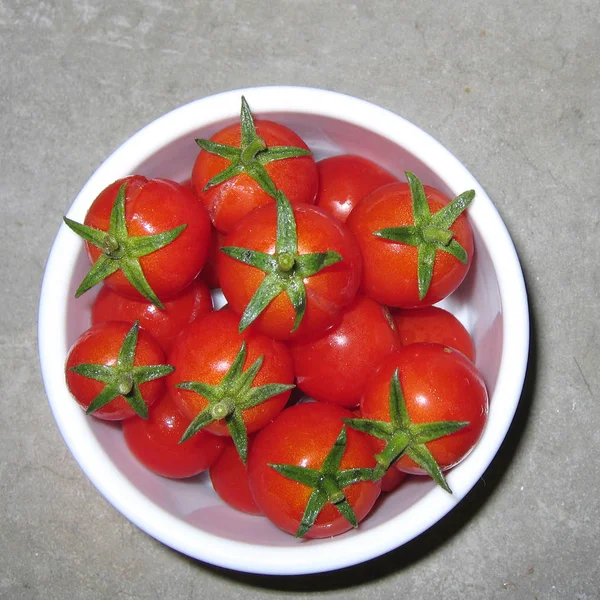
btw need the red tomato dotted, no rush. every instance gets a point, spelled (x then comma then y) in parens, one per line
(335, 367)
(155, 442)
(304, 435)
(327, 291)
(390, 268)
(153, 207)
(392, 479)
(344, 180)
(163, 324)
(438, 384)
(229, 201)
(100, 345)
(433, 324)
(229, 477)
(205, 352)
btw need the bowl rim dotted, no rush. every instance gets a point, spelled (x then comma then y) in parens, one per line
(337, 552)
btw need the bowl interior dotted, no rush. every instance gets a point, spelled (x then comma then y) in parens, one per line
(188, 515)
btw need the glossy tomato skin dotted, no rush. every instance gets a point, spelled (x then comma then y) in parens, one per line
(229, 477)
(433, 324)
(392, 479)
(327, 292)
(155, 442)
(163, 324)
(229, 201)
(345, 179)
(204, 352)
(438, 384)
(151, 207)
(390, 268)
(303, 435)
(100, 344)
(335, 366)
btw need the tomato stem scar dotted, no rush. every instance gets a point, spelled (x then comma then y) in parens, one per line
(286, 261)
(222, 409)
(125, 384)
(110, 245)
(249, 153)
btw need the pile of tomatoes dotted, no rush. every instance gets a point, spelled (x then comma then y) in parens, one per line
(328, 376)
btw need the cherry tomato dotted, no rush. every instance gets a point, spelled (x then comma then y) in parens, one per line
(116, 371)
(335, 367)
(229, 477)
(153, 207)
(305, 435)
(228, 201)
(326, 291)
(155, 442)
(207, 352)
(345, 179)
(163, 324)
(433, 324)
(393, 271)
(437, 384)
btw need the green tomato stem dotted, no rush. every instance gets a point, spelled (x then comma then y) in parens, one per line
(110, 245)
(393, 449)
(252, 149)
(334, 494)
(125, 384)
(222, 409)
(286, 261)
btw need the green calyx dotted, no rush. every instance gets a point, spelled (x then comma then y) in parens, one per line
(327, 483)
(228, 400)
(123, 378)
(252, 155)
(429, 233)
(402, 436)
(121, 251)
(285, 269)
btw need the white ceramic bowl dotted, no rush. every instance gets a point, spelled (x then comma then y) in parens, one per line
(491, 303)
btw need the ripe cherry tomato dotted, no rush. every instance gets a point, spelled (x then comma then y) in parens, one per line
(433, 324)
(437, 384)
(305, 435)
(345, 179)
(163, 324)
(205, 353)
(335, 366)
(392, 270)
(153, 207)
(229, 477)
(155, 442)
(228, 201)
(326, 292)
(115, 370)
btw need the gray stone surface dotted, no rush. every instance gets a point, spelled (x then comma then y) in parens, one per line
(512, 88)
